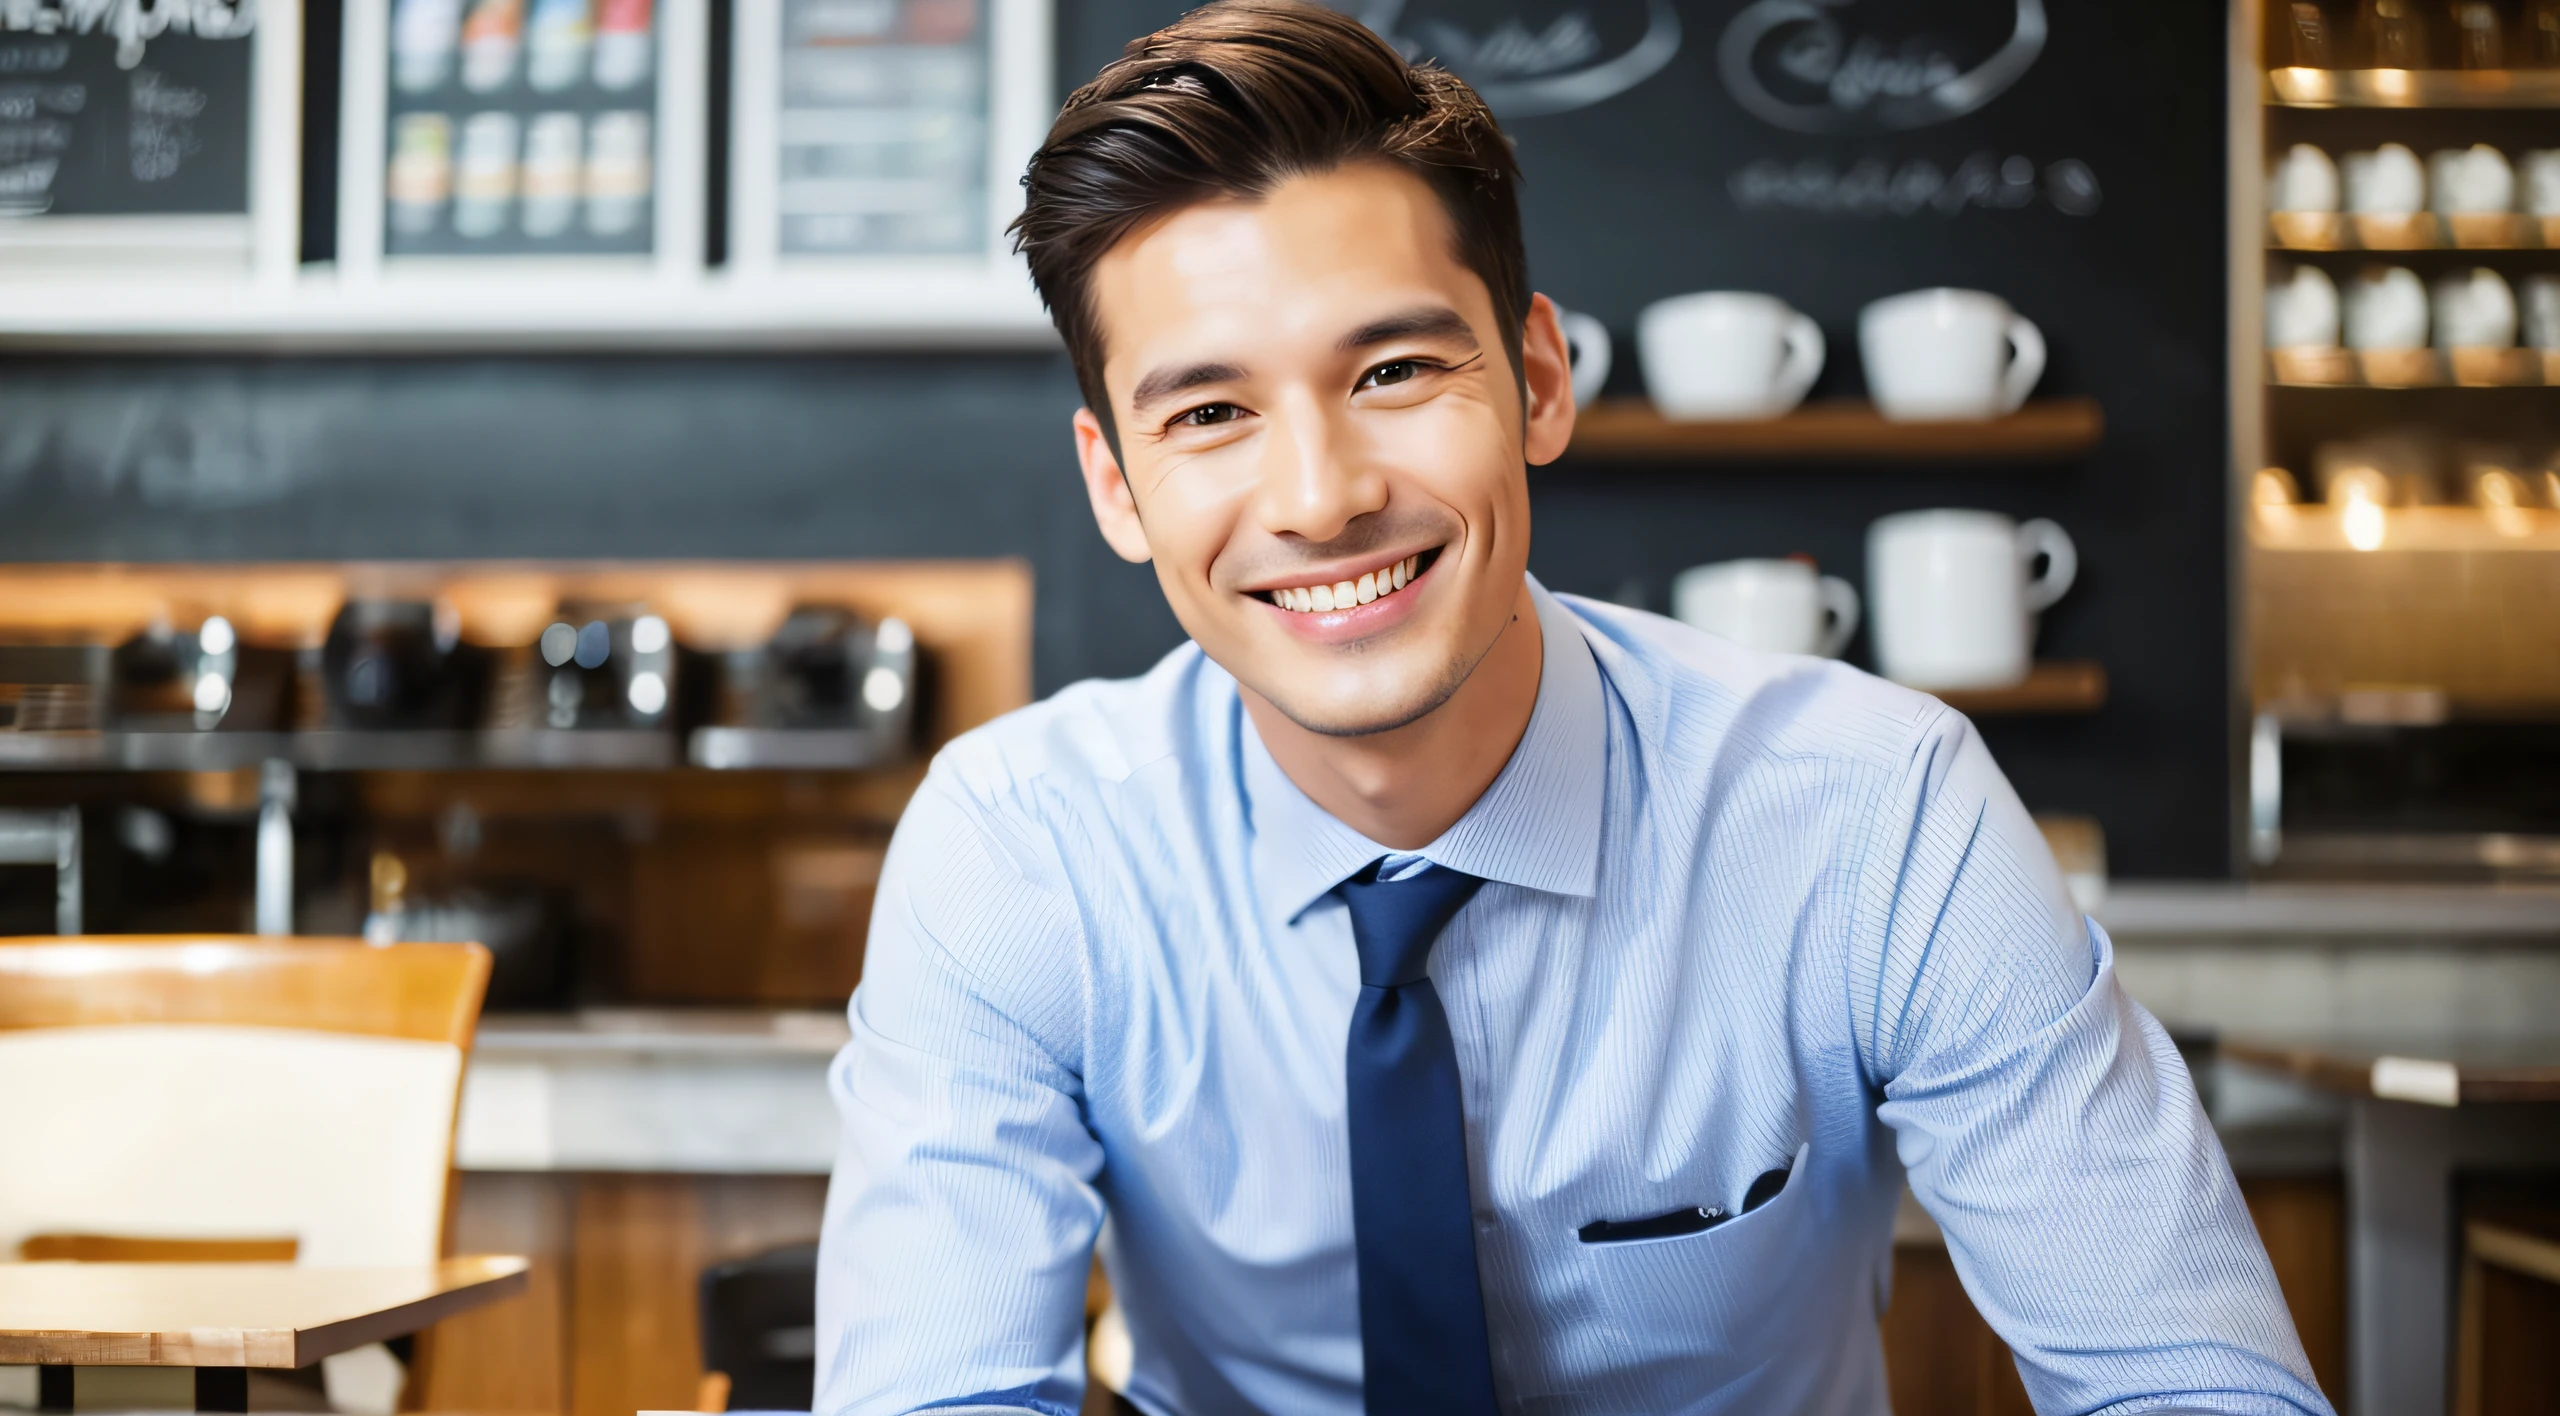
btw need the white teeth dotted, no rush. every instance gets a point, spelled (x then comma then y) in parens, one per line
(1345, 594)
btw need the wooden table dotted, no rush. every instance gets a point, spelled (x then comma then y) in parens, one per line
(223, 1319)
(2417, 1110)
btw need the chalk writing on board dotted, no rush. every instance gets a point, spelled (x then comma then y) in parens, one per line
(35, 124)
(1874, 186)
(201, 444)
(132, 23)
(1798, 65)
(1522, 71)
(163, 131)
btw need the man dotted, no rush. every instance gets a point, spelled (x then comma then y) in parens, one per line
(1459, 998)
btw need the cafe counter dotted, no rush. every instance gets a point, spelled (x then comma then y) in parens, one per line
(668, 1091)
(690, 1091)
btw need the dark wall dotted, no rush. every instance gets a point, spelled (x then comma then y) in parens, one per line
(1670, 186)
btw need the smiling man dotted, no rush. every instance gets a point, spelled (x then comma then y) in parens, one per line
(1458, 998)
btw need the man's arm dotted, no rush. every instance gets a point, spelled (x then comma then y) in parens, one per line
(961, 1220)
(2047, 1122)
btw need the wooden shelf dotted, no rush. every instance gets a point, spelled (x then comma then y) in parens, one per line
(2413, 368)
(2414, 88)
(2294, 233)
(2313, 527)
(2055, 686)
(1629, 430)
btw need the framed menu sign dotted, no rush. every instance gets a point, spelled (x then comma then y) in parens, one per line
(880, 136)
(148, 134)
(536, 134)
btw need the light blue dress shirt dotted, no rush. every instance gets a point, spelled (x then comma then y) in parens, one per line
(1744, 911)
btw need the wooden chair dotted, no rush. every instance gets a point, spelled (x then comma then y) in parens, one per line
(231, 1098)
(2486, 1246)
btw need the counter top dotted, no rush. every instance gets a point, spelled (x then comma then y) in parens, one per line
(687, 1032)
(2154, 909)
(2433, 1071)
(667, 1090)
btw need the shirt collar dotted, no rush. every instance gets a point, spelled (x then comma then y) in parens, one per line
(1537, 826)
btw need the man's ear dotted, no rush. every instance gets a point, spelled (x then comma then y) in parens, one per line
(1546, 375)
(1114, 509)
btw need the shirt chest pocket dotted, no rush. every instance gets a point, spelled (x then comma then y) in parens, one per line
(1712, 1302)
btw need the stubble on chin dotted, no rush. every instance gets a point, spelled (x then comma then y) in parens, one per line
(1386, 718)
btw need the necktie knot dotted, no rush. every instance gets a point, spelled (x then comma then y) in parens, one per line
(1395, 922)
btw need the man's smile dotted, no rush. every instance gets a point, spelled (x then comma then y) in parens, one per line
(1349, 591)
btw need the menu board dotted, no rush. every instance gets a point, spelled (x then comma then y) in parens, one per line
(521, 127)
(883, 129)
(111, 110)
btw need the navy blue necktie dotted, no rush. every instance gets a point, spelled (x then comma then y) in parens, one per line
(1422, 1337)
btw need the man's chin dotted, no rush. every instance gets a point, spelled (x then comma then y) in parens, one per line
(1365, 715)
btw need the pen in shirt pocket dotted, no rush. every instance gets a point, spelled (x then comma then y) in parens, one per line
(1691, 1219)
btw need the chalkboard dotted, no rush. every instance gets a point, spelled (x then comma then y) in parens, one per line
(1645, 191)
(96, 125)
(1832, 152)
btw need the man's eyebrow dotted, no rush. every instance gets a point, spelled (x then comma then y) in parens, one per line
(1430, 321)
(1166, 382)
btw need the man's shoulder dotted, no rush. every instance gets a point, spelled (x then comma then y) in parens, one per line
(1087, 738)
(1706, 699)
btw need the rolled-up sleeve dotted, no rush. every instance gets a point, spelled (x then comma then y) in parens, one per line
(961, 1220)
(2048, 1124)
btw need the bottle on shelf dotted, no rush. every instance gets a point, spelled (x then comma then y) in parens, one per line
(2539, 39)
(2313, 41)
(2391, 34)
(2479, 36)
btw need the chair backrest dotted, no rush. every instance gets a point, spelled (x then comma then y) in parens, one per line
(226, 1088)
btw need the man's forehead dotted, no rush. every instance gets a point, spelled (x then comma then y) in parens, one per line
(1264, 265)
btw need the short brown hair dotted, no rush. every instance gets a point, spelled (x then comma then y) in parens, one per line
(1232, 99)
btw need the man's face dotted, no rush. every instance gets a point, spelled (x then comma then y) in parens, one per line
(1322, 441)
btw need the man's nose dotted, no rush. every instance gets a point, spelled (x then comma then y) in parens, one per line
(1314, 478)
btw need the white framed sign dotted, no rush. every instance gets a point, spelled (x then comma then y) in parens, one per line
(877, 147)
(492, 146)
(160, 139)
(532, 173)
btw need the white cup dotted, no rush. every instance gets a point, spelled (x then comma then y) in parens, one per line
(2304, 180)
(1942, 354)
(1957, 593)
(2471, 180)
(2386, 309)
(2539, 175)
(2387, 181)
(2541, 313)
(1586, 343)
(1778, 605)
(1727, 354)
(2475, 309)
(2302, 310)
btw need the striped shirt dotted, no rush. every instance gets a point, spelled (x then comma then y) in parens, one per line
(1744, 912)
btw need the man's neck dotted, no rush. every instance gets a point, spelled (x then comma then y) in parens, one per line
(1404, 787)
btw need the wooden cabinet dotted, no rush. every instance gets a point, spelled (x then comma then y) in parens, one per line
(609, 1325)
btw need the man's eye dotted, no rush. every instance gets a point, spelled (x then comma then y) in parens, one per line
(1208, 414)
(1394, 373)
